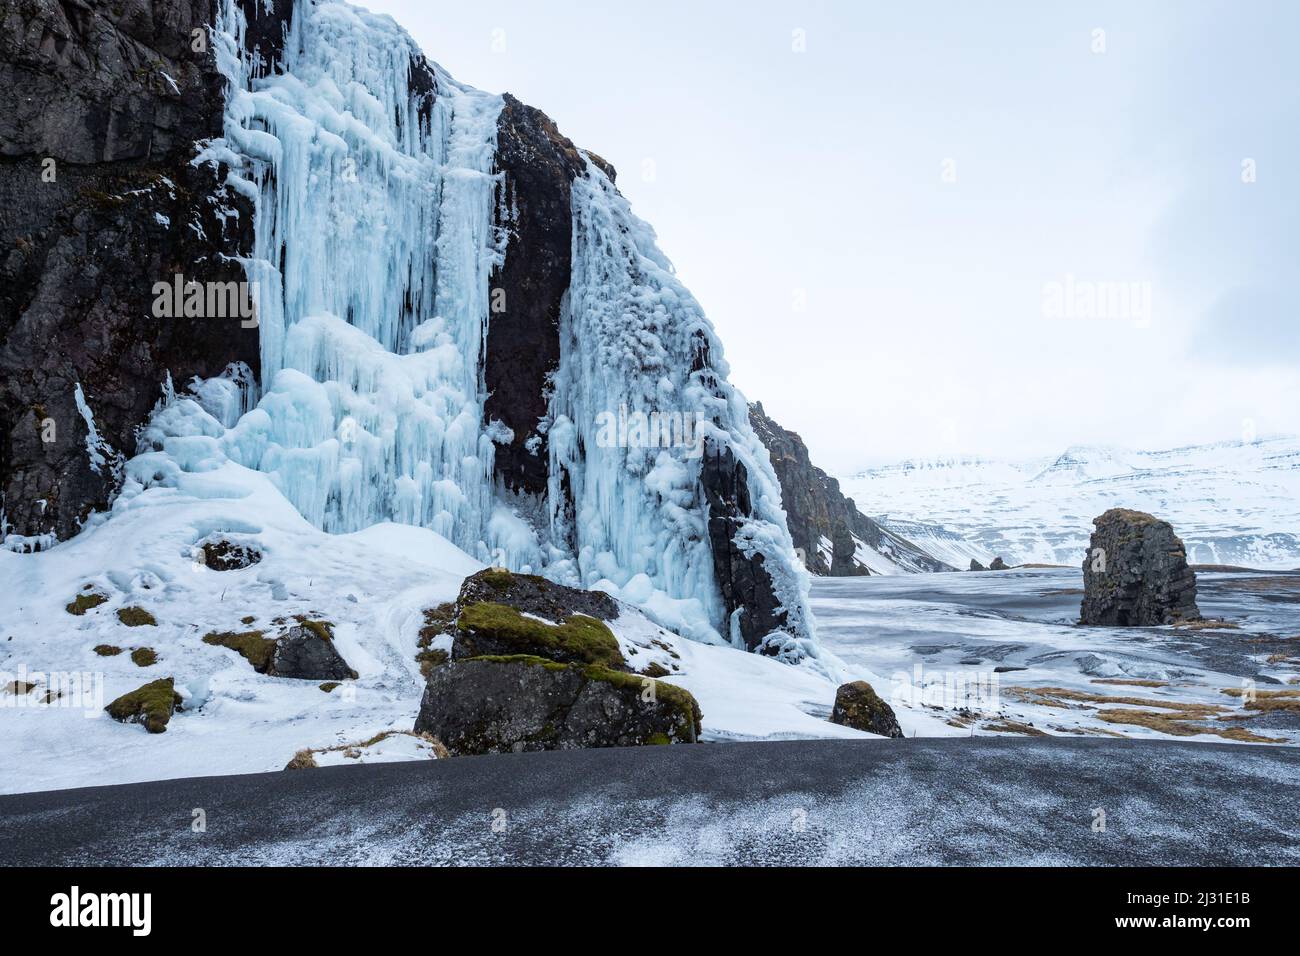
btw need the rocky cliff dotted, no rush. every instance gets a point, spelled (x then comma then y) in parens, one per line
(832, 535)
(102, 105)
(449, 297)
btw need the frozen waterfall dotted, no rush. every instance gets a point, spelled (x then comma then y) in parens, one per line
(376, 235)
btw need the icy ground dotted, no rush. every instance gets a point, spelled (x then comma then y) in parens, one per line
(936, 637)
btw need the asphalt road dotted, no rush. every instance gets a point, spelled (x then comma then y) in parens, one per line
(924, 801)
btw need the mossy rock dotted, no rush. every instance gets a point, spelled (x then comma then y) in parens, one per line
(253, 646)
(85, 601)
(490, 629)
(107, 650)
(857, 705)
(330, 686)
(151, 704)
(522, 702)
(322, 629)
(144, 657)
(136, 617)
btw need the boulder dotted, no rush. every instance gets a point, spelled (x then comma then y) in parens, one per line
(1135, 573)
(151, 704)
(307, 652)
(998, 564)
(524, 703)
(857, 705)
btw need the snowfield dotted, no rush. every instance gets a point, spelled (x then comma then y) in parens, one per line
(1235, 503)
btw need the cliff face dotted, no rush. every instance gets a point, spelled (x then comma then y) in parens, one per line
(98, 201)
(450, 297)
(833, 536)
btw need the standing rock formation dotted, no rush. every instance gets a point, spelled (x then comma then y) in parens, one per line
(819, 515)
(1136, 573)
(857, 705)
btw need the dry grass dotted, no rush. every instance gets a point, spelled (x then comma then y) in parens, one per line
(1175, 718)
(1170, 724)
(1132, 682)
(305, 759)
(1013, 727)
(1207, 624)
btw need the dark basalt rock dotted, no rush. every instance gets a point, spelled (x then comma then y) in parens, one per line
(815, 509)
(1136, 573)
(534, 595)
(512, 704)
(745, 583)
(85, 87)
(307, 652)
(224, 555)
(857, 705)
(976, 566)
(523, 341)
(998, 564)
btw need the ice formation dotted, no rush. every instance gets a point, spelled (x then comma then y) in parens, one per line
(376, 234)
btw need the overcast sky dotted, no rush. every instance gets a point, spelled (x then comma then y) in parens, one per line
(894, 213)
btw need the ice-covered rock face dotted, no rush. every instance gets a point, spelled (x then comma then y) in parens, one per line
(382, 217)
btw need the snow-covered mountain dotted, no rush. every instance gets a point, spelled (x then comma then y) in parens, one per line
(1231, 502)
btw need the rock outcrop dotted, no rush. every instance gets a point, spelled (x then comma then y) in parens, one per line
(509, 704)
(1136, 573)
(307, 652)
(976, 566)
(857, 705)
(533, 665)
(827, 527)
(103, 104)
(998, 564)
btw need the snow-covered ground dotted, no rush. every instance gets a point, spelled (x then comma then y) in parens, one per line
(1232, 503)
(373, 585)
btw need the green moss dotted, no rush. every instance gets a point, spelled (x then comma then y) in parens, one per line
(322, 629)
(251, 645)
(579, 637)
(84, 602)
(531, 659)
(151, 705)
(499, 578)
(136, 617)
(680, 700)
(144, 657)
(107, 650)
(658, 739)
(329, 686)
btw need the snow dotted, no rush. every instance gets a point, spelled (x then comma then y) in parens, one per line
(1230, 502)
